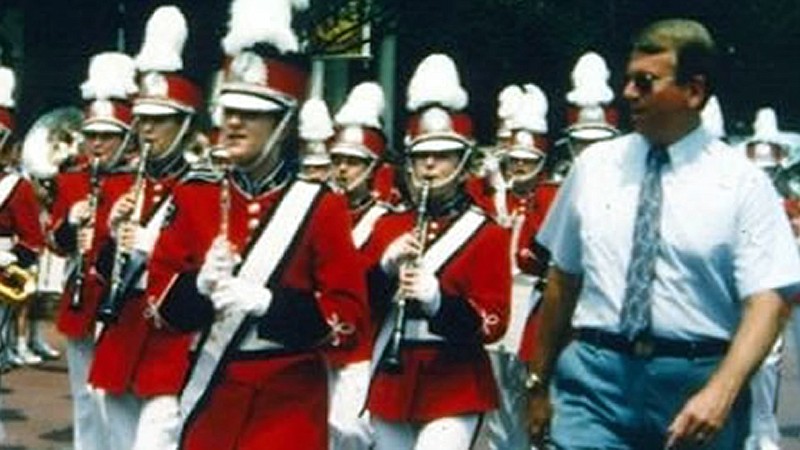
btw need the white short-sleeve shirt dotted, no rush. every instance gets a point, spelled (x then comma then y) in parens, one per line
(724, 233)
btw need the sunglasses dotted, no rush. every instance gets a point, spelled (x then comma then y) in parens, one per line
(644, 81)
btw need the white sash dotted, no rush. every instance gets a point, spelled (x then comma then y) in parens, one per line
(7, 185)
(258, 266)
(147, 235)
(434, 258)
(364, 228)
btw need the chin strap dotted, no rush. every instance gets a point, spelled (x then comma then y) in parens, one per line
(276, 137)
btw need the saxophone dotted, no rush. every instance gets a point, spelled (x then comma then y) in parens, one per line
(391, 359)
(122, 274)
(80, 258)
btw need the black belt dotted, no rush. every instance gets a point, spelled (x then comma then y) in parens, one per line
(650, 346)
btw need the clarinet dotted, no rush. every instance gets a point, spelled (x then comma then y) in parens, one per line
(80, 258)
(391, 361)
(112, 303)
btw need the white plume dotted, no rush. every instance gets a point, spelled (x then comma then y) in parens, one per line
(765, 127)
(164, 38)
(7, 84)
(508, 101)
(363, 107)
(315, 122)
(261, 21)
(712, 117)
(112, 75)
(531, 114)
(436, 81)
(590, 81)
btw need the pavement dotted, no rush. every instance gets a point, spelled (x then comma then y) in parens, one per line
(35, 407)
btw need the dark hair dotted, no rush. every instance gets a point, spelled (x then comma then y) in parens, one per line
(695, 50)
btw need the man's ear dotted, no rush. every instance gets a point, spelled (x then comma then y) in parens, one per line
(697, 89)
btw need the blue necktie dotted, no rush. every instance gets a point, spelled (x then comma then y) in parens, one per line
(635, 317)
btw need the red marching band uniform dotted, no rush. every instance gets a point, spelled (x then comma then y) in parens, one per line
(444, 369)
(132, 355)
(20, 231)
(259, 380)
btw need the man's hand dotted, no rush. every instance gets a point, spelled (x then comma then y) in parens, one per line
(701, 418)
(540, 411)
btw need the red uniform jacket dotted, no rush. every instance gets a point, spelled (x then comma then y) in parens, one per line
(19, 220)
(131, 354)
(318, 297)
(338, 356)
(71, 187)
(451, 375)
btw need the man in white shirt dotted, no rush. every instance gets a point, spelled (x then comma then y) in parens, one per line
(658, 311)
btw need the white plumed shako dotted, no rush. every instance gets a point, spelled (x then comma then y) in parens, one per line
(437, 100)
(358, 123)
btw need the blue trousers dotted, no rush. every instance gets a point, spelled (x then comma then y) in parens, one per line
(610, 400)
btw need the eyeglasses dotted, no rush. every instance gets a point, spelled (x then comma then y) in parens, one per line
(644, 81)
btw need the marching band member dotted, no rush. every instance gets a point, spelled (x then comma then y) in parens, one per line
(141, 368)
(359, 173)
(78, 224)
(528, 196)
(315, 130)
(21, 236)
(442, 271)
(766, 149)
(261, 259)
(591, 116)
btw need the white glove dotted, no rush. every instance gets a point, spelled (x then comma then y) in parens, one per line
(422, 286)
(238, 294)
(219, 264)
(402, 248)
(7, 258)
(79, 213)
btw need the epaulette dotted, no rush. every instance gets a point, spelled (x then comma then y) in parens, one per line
(202, 172)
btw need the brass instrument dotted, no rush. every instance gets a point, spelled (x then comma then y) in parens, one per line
(16, 284)
(128, 264)
(391, 360)
(80, 258)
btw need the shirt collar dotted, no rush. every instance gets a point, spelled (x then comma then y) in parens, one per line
(689, 147)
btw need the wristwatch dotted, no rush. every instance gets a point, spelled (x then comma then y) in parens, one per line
(533, 381)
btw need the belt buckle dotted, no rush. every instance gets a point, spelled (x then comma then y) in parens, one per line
(643, 347)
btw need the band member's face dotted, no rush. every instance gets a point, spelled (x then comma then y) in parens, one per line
(102, 145)
(160, 131)
(315, 172)
(436, 167)
(244, 133)
(521, 167)
(347, 169)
